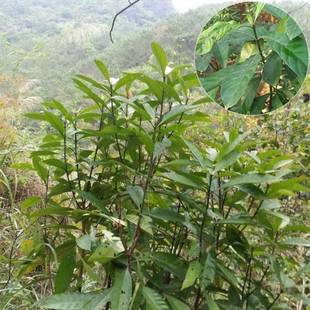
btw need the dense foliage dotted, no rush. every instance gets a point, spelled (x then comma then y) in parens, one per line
(135, 214)
(252, 58)
(138, 194)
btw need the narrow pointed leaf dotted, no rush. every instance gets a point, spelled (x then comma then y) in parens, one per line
(176, 304)
(103, 69)
(192, 274)
(122, 290)
(65, 272)
(160, 55)
(154, 300)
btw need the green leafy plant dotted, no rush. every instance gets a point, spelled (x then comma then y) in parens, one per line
(252, 62)
(138, 216)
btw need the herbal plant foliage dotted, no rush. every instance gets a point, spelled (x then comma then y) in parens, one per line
(137, 215)
(251, 58)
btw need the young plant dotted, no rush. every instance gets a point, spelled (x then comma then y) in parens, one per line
(138, 216)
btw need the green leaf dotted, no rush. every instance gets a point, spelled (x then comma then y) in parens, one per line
(235, 84)
(181, 179)
(136, 193)
(55, 122)
(272, 69)
(75, 301)
(212, 305)
(101, 66)
(215, 79)
(208, 269)
(167, 215)
(84, 242)
(253, 190)
(176, 304)
(227, 160)
(92, 273)
(121, 290)
(259, 7)
(136, 297)
(161, 146)
(99, 301)
(250, 178)
(153, 299)
(29, 202)
(293, 52)
(93, 200)
(192, 274)
(209, 36)
(249, 49)
(144, 222)
(103, 254)
(65, 272)
(297, 241)
(160, 55)
(204, 162)
(171, 263)
(171, 115)
(220, 51)
(39, 168)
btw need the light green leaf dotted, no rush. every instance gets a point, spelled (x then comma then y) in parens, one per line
(153, 299)
(99, 301)
(55, 122)
(161, 146)
(227, 160)
(73, 301)
(171, 115)
(192, 274)
(249, 49)
(121, 290)
(103, 254)
(259, 7)
(101, 66)
(39, 168)
(204, 162)
(29, 202)
(209, 36)
(91, 272)
(160, 55)
(136, 193)
(65, 272)
(297, 241)
(84, 242)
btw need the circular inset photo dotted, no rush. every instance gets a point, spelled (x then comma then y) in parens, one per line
(251, 58)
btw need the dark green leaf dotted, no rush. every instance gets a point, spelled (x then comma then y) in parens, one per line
(65, 272)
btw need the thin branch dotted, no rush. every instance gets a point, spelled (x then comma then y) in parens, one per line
(119, 13)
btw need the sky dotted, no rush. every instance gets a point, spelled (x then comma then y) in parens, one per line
(185, 5)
